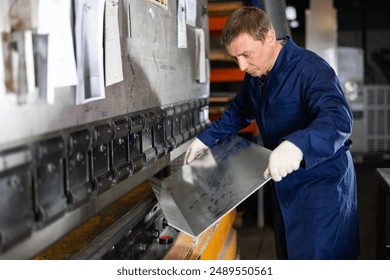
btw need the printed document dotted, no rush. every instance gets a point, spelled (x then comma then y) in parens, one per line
(89, 50)
(112, 48)
(55, 19)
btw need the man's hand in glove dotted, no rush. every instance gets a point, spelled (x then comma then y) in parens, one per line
(195, 148)
(283, 160)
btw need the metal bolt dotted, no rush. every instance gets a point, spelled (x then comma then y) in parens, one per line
(155, 233)
(79, 157)
(141, 247)
(14, 182)
(51, 167)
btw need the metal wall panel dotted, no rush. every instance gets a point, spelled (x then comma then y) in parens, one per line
(156, 73)
(321, 30)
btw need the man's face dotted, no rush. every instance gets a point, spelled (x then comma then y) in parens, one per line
(252, 56)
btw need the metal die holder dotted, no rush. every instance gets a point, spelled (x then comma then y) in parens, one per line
(196, 116)
(101, 172)
(203, 114)
(50, 191)
(159, 134)
(169, 115)
(147, 138)
(141, 238)
(176, 125)
(184, 122)
(137, 158)
(16, 196)
(78, 174)
(120, 150)
(191, 123)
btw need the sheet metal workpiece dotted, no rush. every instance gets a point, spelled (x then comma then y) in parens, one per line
(199, 194)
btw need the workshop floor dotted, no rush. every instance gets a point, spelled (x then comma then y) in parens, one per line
(258, 243)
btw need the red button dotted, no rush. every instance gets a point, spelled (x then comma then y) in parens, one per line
(165, 239)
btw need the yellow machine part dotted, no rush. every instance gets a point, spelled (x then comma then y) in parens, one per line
(217, 242)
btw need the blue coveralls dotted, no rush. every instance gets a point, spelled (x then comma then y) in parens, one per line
(302, 101)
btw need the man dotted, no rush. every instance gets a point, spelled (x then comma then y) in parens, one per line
(298, 104)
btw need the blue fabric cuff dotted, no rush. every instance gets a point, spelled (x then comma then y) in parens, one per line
(207, 139)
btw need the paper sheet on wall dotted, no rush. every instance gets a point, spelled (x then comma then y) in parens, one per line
(2, 84)
(181, 24)
(41, 55)
(3, 23)
(89, 50)
(191, 12)
(54, 19)
(22, 61)
(2, 77)
(201, 56)
(18, 75)
(112, 46)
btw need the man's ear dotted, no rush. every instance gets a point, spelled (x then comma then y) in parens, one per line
(270, 37)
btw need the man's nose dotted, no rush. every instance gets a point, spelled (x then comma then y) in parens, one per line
(242, 64)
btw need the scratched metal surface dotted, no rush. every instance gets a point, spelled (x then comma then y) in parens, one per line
(200, 193)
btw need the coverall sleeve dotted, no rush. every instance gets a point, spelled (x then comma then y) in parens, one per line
(236, 117)
(332, 123)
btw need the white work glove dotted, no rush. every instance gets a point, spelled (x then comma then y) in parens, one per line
(195, 148)
(283, 160)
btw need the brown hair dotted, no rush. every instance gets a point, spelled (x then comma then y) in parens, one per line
(247, 19)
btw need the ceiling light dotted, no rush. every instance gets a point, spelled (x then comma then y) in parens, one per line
(291, 13)
(294, 24)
